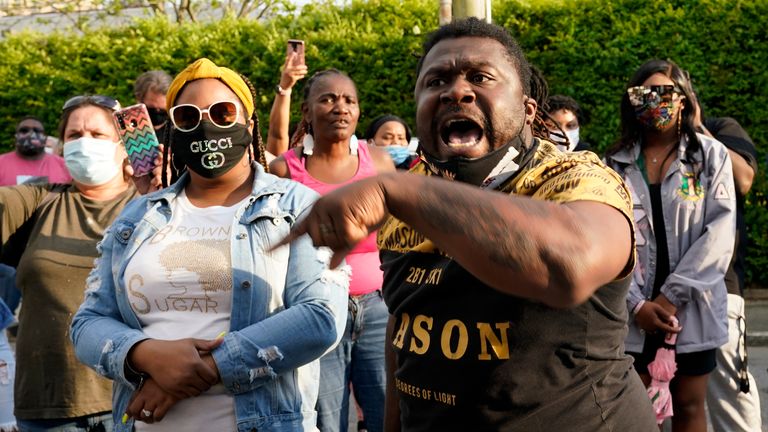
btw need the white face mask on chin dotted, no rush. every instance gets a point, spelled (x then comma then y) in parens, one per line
(91, 161)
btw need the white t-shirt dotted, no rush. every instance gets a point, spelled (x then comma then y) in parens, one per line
(180, 286)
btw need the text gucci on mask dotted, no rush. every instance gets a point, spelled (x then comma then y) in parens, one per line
(210, 145)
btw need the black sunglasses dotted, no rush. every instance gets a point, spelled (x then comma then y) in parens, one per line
(26, 129)
(100, 100)
(640, 95)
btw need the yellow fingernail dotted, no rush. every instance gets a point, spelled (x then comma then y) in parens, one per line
(221, 335)
(125, 418)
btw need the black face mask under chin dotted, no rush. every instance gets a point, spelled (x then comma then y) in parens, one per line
(209, 150)
(473, 171)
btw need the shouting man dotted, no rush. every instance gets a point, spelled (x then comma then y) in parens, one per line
(506, 262)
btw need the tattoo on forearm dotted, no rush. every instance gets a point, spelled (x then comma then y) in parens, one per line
(507, 243)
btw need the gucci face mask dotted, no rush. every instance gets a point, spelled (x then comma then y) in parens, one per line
(210, 150)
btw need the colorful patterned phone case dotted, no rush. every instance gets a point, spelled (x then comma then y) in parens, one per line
(138, 136)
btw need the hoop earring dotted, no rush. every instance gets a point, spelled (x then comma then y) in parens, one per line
(308, 144)
(353, 145)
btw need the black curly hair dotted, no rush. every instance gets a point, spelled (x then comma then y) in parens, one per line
(474, 27)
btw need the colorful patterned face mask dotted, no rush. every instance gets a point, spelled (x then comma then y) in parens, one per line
(655, 106)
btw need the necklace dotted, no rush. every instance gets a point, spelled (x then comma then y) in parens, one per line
(655, 158)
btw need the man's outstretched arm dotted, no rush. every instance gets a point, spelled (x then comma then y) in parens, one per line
(558, 254)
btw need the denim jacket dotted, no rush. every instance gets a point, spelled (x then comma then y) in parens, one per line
(288, 308)
(700, 223)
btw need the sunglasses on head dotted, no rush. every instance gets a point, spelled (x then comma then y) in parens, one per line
(157, 116)
(640, 95)
(26, 129)
(187, 117)
(100, 100)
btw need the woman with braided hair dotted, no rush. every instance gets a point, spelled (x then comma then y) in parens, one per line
(198, 319)
(329, 156)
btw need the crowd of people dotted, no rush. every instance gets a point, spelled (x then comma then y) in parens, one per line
(502, 276)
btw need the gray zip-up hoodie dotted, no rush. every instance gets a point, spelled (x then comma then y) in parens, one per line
(700, 220)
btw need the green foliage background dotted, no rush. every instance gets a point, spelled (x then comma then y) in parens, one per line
(586, 48)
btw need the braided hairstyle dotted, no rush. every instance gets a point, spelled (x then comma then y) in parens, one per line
(258, 151)
(304, 127)
(540, 92)
(257, 145)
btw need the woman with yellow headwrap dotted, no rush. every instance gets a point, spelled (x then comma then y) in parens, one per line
(199, 323)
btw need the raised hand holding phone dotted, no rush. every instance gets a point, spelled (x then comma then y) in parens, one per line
(294, 68)
(296, 46)
(138, 136)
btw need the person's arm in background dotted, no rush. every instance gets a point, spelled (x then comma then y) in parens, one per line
(740, 146)
(280, 115)
(743, 174)
(17, 207)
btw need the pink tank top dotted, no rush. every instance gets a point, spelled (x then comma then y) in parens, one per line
(364, 258)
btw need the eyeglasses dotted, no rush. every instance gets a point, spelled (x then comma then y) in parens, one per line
(157, 116)
(100, 100)
(26, 129)
(641, 95)
(187, 117)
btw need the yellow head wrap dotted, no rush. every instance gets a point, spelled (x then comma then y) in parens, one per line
(204, 68)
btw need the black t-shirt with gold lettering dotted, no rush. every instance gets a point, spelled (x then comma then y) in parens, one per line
(471, 358)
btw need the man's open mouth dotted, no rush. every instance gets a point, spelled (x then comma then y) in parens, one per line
(461, 133)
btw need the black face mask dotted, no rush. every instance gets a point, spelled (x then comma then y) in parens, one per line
(31, 145)
(209, 150)
(472, 171)
(157, 116)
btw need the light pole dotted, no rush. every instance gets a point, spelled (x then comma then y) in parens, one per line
(463, 9)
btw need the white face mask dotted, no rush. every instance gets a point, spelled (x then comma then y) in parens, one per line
(91, 161)
(573, 139)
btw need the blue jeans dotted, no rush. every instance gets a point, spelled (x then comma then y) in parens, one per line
(7, 373)
(358, 359)
(100, 422)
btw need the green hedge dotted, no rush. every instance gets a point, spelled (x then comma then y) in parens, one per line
(587, 49)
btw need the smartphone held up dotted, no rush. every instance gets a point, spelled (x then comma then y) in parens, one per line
(138, 137)
(296, 46)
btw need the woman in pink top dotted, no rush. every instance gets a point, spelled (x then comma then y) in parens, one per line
(329, 157)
